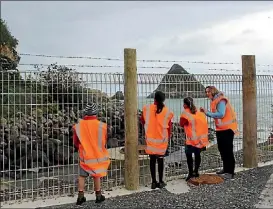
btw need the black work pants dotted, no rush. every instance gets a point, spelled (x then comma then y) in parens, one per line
(160, 161)
(189, 150)
(225, 147)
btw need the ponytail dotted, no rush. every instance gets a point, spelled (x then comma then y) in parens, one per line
(193, 109)
(189, 102)
(159, 107)
(159, 99)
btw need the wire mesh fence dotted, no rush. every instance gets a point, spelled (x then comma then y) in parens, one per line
(38, 109)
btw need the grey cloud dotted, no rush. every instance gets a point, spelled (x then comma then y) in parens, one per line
(246, 36)
(103, 29)
(197, 44)
(248, 31)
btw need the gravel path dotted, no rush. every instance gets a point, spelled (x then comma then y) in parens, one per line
(242, 192)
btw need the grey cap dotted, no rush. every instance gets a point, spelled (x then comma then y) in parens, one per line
(91, 109)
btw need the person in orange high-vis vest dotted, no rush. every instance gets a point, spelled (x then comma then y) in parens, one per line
(90, 137)
(196, 131)
(156, 119)
(226, 127)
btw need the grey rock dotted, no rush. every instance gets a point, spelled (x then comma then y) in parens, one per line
(177, 85)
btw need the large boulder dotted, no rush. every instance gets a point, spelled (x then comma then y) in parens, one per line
(178, 83)
(118, 95)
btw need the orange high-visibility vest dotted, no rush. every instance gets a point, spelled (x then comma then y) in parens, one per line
(229, 121)
(197, 129)
(94, 157)
(156, 129)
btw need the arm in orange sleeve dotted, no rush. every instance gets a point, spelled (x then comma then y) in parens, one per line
(183, 122)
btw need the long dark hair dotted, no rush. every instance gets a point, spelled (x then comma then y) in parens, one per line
(159, 98)
(189, 102)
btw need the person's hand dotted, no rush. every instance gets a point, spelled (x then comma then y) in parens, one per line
(203, 110)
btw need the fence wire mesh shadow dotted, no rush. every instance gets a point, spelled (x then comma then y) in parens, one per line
(38, 109)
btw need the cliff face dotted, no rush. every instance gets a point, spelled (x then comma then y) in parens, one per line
(178, 83)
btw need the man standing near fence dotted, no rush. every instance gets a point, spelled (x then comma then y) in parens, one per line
(90, 136)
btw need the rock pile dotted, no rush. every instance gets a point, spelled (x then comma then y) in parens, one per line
(39, 140)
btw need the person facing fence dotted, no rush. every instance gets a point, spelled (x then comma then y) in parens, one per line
(226, 127)
(196, 130)
(156, 119)
(90, 137)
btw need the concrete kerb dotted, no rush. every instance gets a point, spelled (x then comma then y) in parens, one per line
(266, 197)
(175, 185)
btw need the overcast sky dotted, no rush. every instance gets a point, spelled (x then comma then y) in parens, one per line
(190, 31)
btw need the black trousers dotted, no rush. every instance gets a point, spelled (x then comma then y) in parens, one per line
(189, 150)
(160, 162)
(225, 147)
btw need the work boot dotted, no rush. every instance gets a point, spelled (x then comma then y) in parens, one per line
(195, 174)
(154, 185)
(80, 200)
(229, 176)
(220, 172)
(161, 185)
(99, 198)
(189, 177)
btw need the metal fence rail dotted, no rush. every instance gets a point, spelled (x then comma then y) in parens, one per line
(38, 109)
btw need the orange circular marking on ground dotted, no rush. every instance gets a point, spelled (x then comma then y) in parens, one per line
(206, 179)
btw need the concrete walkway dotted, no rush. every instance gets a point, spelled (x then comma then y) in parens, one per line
(250, 188)
(266, 197)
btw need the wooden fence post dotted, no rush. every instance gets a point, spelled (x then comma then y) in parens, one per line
(249, 111)
(131, 178)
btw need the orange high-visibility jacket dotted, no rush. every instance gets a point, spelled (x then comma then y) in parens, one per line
(196, 129)
(94, 157)
(156, 129)
(229, 121)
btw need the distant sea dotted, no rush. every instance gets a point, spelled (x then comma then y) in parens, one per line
(265, 117)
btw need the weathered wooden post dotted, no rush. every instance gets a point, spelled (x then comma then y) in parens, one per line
(131, 121)
(249, 111)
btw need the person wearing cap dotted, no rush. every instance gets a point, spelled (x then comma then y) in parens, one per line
(90, 137)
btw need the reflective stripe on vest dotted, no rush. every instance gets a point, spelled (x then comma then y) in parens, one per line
(155, 150)
(100, 145)
(194, 137)
(219, 122)
(96, 171)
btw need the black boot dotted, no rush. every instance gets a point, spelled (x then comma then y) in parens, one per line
(190, 175)
(220, 172)
(154, 185)
(161, 185)
(81, 199)
(195, 174)
(99, 197)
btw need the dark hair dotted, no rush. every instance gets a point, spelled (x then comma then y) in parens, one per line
(189, 102)
(159, 98)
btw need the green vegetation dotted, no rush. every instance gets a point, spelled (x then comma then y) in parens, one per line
(56, 87)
